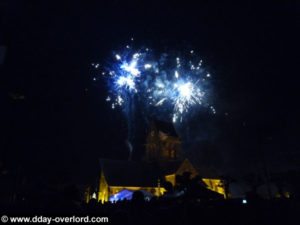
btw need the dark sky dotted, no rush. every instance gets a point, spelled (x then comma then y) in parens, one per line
(63, 124)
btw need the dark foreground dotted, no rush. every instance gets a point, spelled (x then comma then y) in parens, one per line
(167, 211)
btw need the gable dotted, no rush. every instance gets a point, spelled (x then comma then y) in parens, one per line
(187, 166)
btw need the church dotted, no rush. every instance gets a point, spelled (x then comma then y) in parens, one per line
(163, 162)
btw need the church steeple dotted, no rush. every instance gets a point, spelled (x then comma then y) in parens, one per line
(163, 142)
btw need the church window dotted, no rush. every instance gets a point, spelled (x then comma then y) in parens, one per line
(172, 155)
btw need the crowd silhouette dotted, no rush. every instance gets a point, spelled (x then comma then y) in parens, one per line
(185, 209)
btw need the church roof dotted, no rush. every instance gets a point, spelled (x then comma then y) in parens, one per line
(166, 128)
(181, 166)
(170, 167)
(128, 173)
(134, 174)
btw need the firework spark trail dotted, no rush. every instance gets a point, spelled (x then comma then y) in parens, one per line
(160, 102)
(178, 87)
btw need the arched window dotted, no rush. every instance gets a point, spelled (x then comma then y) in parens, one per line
(172, 154)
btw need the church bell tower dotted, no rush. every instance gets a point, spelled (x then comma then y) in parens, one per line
(163, 143)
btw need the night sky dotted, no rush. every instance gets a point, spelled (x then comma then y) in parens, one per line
(64, 124)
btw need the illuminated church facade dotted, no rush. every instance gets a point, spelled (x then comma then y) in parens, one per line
(164, 147)
(163, 162)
